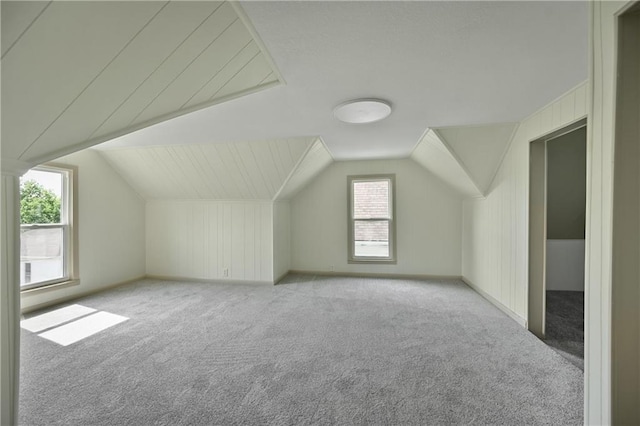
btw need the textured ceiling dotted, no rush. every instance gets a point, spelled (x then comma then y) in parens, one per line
(77, 73)
(440, 64)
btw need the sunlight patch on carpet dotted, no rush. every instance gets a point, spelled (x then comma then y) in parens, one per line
(54, 318)
(82, 328)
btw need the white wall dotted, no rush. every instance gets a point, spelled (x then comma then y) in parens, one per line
(199, 239)
(111, 231)
(567, 185)
(495, 229)
(566, 207)
(281, 239)
(428, 222)
(565, 265)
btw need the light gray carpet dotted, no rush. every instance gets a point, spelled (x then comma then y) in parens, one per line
(312, 350)
(564, 328)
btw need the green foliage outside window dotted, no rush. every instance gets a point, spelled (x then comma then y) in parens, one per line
(38, 204)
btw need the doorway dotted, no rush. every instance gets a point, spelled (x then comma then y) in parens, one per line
(557, 206)
(565, 244)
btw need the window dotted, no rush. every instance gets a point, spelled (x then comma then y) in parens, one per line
(371, 219)
(46, 227)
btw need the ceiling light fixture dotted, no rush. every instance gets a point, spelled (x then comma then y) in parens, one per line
(361, 111)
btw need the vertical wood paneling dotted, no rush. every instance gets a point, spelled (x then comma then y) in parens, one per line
(199, 239)
(257, 248)
(212, 255)
(196, 250)
(237, 259)
(266, 240)
(281, 238)
(221, 235)
(10, 298)
(581, 100)
(495, 230)
(545, 118)
(182, 246)
(249, 238)
(597, 281)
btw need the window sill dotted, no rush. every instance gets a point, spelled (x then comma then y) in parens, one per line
(51, 287)
(373, 261)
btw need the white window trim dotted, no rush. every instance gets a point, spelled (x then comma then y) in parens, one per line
(69, 226)
(352, 258)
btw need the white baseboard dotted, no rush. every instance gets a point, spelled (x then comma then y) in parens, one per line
(77, 295)
(377, 275)
(210, 281)
(517, 318)
(277, 280)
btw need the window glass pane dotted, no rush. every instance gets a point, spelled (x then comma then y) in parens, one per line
(41, 255)
(371, 238)
(43, 234)
(371, 200)
(40, 197)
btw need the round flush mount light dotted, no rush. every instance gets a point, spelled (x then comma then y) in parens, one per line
(361, 111)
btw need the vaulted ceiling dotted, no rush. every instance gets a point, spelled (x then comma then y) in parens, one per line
(78, 73)
(163, 83)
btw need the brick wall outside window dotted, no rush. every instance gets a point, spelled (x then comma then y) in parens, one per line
(371, 200)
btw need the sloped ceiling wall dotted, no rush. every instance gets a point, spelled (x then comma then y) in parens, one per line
(465, 157)
(232, 171)
(278, 169)
(78, 73)
(312, 164)
(434, 156)
(479, 149)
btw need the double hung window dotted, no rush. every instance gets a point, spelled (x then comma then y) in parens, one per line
(371, 219)
(46, 226)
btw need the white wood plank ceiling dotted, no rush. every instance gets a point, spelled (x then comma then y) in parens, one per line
(231, 171)
(78, 73)
(315, 160)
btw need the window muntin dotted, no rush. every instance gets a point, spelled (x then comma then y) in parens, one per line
(371, 219)
(46, 240)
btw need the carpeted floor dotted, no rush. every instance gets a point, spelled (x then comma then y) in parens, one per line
(311, 350)
(564, 328)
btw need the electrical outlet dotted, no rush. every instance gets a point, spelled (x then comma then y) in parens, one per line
(225, 272)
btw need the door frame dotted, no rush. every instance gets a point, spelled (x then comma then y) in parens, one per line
(536, 307)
